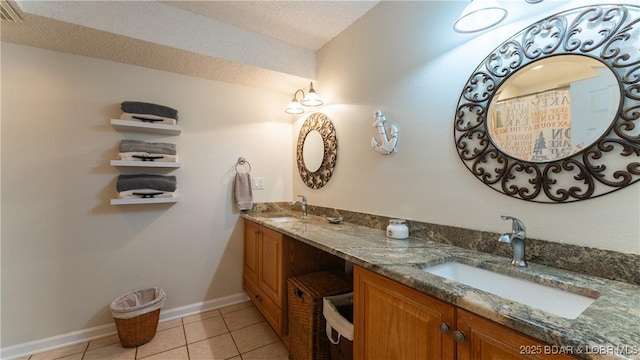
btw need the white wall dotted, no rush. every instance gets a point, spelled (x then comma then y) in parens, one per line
(66, 253)
(405, 58)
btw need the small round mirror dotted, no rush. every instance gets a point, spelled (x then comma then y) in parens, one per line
(313, 151)
(317, 150)
(553, 108)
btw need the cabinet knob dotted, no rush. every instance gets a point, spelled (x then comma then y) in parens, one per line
(458, 336)
(444, 328)
(258, 298)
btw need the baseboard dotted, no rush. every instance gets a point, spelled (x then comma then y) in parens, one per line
(196, 308)
(76, 337)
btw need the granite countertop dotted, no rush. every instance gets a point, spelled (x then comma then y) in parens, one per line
(608, 329)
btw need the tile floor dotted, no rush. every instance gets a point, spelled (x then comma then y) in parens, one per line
(237, 332)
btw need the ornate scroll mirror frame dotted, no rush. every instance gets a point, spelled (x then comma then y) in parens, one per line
(607, 33)
(322, 124)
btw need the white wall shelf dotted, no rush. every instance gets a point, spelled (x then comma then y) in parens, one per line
(139, 126)
(144, 201)
(154, 164)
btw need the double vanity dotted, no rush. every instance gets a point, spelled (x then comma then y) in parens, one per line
(423, 298)
(417, 298)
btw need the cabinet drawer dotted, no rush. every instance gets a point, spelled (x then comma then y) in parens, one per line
(267, 307)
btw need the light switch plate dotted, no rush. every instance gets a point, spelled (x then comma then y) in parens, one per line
(258, 183)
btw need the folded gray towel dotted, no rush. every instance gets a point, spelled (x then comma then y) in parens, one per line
(148, 147)
(137, 107)
(243, 192)
(146, 181)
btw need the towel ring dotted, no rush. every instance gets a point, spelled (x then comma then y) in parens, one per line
(242, 162)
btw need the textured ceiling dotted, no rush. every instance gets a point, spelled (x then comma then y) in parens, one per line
(267, 44)
(308, 24)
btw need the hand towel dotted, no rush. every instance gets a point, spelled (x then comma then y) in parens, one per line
(146, 181)
(243, 193)
(148, 147)
(148, 108)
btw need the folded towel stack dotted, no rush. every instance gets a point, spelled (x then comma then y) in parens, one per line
(148, 112)
(146, 186)
(146, 151)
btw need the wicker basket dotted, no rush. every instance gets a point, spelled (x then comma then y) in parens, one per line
(137, 330)
(307, 336)
(136, 314)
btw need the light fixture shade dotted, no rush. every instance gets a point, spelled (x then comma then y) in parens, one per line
(294, 107)
(312, 98)
(480, 15)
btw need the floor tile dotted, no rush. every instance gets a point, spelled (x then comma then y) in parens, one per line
(163, 341)
(175, 354)
(200, 316)
(242, 318)
(219, 347)
(218, 334)
(111, 352)
(204, 329)
(104, 341)
(72, 357)
(169, 324)
(253, 337)
(236, 307)
(275, 351)
(62, 352)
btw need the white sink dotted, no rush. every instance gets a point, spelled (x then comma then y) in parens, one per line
(283, 218)
(556, 301)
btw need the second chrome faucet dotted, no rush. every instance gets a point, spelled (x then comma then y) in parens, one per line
(303, 204)
(516, 239)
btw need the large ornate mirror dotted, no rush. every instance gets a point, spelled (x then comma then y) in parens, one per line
(552, 114)
(317, 150)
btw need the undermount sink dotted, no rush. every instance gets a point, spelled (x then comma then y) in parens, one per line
(283, 218)
(556, 301)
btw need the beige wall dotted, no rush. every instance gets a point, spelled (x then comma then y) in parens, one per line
(404, 58)
(66, 253)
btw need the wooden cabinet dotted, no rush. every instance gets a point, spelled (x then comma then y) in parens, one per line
(485, 339)
(394, 321)
(263, 272)
(271, 273)
(270, 258)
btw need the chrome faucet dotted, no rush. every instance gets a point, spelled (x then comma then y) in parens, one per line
(516, 239)
(302, 203)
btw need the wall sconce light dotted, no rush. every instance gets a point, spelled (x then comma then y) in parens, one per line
(311, 99)
(480, 15)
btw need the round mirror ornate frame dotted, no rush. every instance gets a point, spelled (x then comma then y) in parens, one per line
(321, 123)
(608, 33)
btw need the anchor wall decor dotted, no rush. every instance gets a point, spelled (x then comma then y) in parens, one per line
(388, 145)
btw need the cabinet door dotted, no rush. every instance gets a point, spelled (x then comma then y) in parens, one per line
(251, 253)
(270, 274)
(393, 321)
(485, 339)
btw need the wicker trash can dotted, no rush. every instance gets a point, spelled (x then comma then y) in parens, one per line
(307, 337)
(136, 315)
